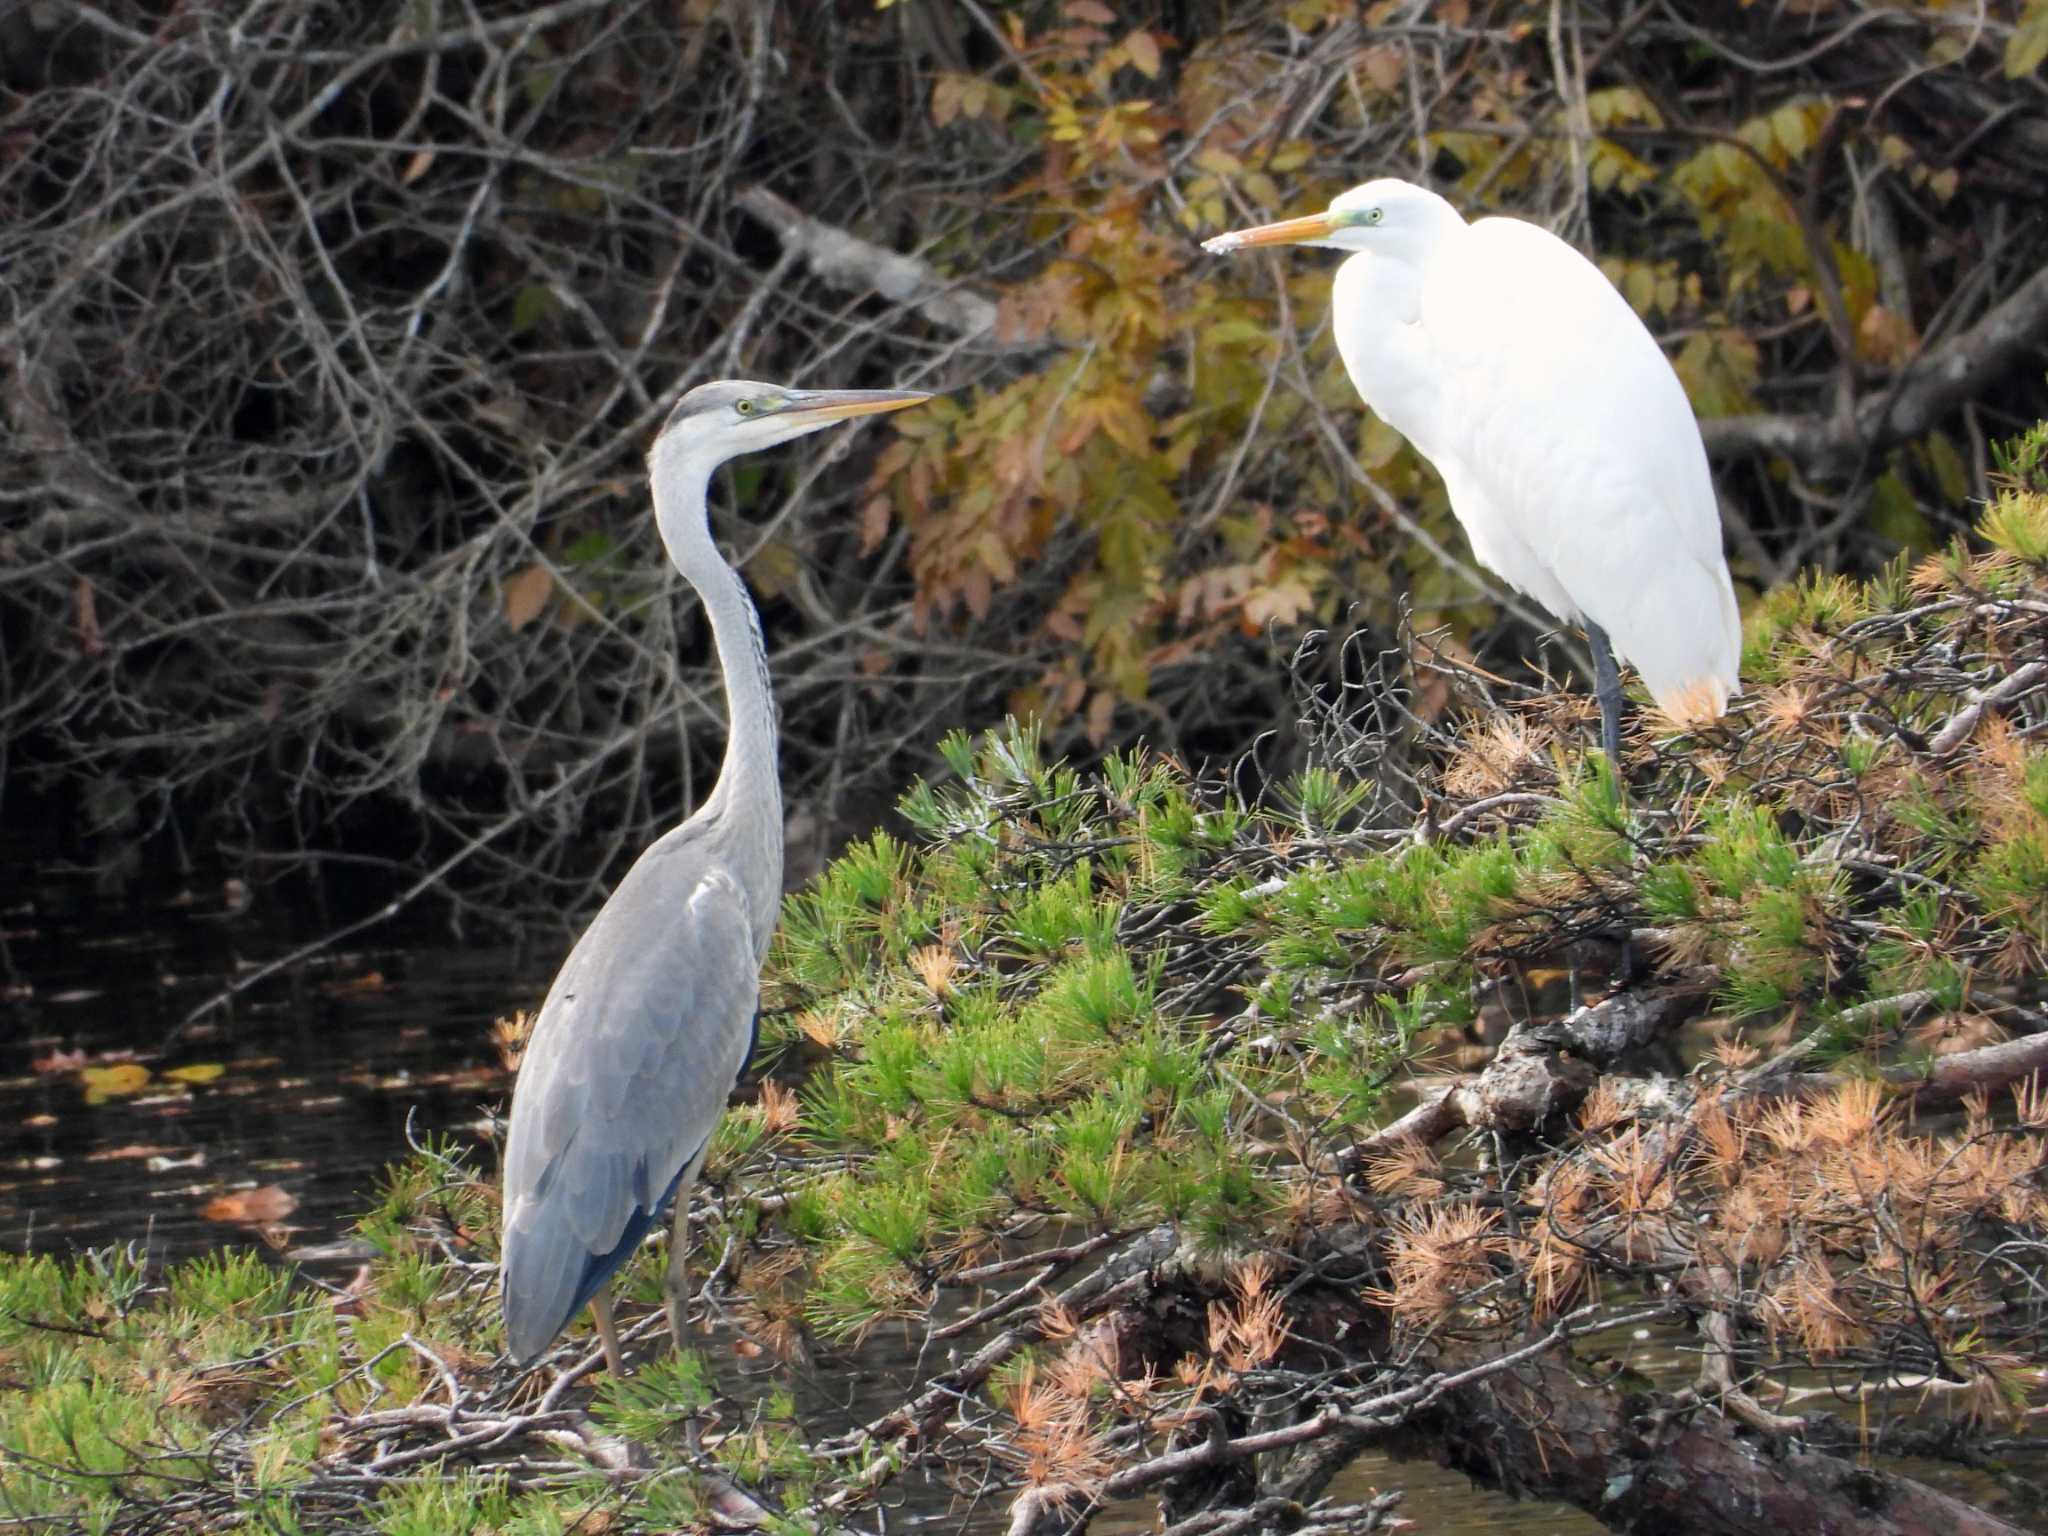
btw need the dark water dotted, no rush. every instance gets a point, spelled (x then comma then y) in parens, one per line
(126, 1124)
(299, 1092)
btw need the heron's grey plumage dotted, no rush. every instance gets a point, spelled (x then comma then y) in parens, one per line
(647, 1025)
(635, 1078)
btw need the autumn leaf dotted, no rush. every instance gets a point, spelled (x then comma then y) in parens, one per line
(119, 1081)
(1101, 711)
(59, 1061)
(526, 595)
(1385, 65)
(2028, 45)
(874, 524)
(1142, 49)
(257, 1207)
(1280, 603)
(198, 1072)
(88, 619)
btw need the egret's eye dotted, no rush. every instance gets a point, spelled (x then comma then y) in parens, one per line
(1373, 216)
(744, 407)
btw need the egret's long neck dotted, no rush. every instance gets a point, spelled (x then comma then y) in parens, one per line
(747, 800)
(1377, 301)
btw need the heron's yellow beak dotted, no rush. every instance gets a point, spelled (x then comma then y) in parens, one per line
(1317, 226)
(824, 405)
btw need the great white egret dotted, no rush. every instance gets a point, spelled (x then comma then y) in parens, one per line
(652, 1016)
(1570, 452)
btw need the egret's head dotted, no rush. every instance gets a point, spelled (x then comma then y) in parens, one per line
(714, 422)
(1389, 215)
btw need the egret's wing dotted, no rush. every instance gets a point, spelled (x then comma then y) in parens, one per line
(1580, 436)
(630, 1061)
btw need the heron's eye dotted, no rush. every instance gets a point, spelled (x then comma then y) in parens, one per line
(744, 407)
(1373, 216)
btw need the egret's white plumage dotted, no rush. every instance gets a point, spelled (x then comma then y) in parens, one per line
(1570, 452)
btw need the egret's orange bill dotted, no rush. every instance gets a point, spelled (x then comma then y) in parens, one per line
(831, 404)
(1317, 226)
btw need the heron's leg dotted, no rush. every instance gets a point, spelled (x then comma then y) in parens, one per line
(675, 1280)
(1607, 689)
(607, 1335)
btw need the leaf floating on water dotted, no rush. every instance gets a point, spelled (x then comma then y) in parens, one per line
(257, 1207)
(133, 1151)
(59, 1061)
(369, 981)
(121, 1080)
(198, 1072)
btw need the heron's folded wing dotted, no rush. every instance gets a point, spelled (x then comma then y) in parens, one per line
(631, 1060)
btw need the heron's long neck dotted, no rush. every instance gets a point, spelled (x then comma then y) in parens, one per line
(747, 800)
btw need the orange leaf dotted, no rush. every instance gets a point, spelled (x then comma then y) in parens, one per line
(526, 595)
(1384, 65)
(1143, 51)
(1101, 711)
(251, 1207)
(874, 524)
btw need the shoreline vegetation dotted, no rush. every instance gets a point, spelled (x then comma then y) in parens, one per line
(1198, 1136)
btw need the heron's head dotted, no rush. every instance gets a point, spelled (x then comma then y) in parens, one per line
(1389, 216)
(714, 422)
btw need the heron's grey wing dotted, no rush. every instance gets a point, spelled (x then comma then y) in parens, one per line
(630, 1061)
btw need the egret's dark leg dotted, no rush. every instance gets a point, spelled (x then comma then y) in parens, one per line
(1607, 689)
(607, 1335)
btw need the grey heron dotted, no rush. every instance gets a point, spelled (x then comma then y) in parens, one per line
(652, 1016)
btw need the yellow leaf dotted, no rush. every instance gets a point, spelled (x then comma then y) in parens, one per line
(2028, 45)
(118, 1081)
(526, 594)
(1143, 51)
(198, 1072)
